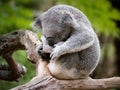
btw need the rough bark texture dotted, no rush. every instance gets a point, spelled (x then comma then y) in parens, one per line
(24, 39)
(17, 40)
(50, 83)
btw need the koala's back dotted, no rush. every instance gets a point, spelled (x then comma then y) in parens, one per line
(53, 13)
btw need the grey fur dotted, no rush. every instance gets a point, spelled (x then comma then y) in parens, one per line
(79, 52)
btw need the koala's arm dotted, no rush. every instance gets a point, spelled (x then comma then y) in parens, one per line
(80, 39)
(46, 47)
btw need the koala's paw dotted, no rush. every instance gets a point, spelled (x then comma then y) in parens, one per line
(55, 54)
(45, 56)
(41, 53)
(47, 48)
(39, 48)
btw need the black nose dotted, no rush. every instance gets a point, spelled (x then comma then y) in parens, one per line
(51, 41)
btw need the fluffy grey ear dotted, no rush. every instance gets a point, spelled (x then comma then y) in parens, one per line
(36, 25)
(38, 22)
(67, 18)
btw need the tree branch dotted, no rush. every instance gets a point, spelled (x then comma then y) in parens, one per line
(17, 40)
(50, 83)
(25, 39)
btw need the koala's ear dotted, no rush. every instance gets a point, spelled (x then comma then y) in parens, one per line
(66, 17)
(38, 22)
(36, 25)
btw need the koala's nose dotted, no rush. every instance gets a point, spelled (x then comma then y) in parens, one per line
(51, 41)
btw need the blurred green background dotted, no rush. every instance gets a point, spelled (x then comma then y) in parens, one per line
(103, 14)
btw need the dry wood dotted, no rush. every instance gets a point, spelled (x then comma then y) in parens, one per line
(17, 40)
(50, 83)
(24, 39)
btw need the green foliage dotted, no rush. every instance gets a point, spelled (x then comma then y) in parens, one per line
(20, 57)
(100, 13)
(13, 17)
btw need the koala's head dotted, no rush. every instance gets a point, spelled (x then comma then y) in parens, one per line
(52, 26)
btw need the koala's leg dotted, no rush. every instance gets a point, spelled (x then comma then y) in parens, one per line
(80, 39)
(59, 72)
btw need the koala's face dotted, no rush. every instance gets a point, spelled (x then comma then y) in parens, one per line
(53, 30)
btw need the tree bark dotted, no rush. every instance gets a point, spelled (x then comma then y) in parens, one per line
(50, 83)
(43, 79)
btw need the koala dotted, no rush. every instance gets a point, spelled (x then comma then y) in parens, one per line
(69, 41)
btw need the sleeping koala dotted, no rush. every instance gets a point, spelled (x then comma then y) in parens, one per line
(69, 40)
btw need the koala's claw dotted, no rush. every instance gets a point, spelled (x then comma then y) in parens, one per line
(54, 56)
(39, 48)
(40, 52)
